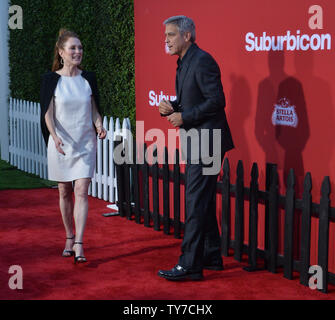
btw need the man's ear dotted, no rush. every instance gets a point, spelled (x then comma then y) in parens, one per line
(187, 36)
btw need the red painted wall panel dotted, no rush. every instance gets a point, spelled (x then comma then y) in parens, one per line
(296, 86)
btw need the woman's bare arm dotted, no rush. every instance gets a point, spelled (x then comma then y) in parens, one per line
(97, 120)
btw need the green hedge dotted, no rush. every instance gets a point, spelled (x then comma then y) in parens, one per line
(106, 30)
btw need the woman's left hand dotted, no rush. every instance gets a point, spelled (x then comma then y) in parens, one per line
(101, 132)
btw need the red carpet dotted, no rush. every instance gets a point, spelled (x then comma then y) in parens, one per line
(123, 259)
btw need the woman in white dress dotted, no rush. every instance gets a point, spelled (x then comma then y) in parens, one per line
(70, 121)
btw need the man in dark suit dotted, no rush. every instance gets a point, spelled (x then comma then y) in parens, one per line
(199, 113)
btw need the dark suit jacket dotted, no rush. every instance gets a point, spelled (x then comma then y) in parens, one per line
(48, 85)
(200, 97)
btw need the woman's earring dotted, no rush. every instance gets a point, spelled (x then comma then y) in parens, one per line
(61, 61)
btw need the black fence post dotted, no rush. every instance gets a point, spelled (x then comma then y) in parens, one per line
(273, 221)
(225, 224)
(136, 185)
(145, 172)
(269, 167)
(176, 195)
(253, 220)
(155, 187)
(289, 224)
(119, 179)
(323, 243)
(239, 213)
(185, 206)
(305, 241)
(127, 187)
(166, 193)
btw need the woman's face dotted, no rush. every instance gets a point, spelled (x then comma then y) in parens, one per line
(72, 52)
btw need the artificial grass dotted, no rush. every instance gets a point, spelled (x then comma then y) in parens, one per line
(12, 178)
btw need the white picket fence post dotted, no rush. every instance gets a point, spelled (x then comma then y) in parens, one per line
(111, 173)
(117, 132)
(28, 152)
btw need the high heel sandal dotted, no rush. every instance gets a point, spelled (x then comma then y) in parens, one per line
(79, 259)
(68, 253)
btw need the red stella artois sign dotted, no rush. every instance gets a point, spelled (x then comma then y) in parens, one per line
(284, 114)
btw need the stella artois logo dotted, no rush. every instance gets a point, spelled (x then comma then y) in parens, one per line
(284, 114)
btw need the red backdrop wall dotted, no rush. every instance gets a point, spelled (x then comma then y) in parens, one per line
(294, 85)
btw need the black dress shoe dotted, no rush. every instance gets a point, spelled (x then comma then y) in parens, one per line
(178, 273)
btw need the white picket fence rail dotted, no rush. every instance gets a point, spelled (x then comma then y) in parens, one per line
(28, 153)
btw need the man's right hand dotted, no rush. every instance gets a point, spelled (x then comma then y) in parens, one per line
(165, 108)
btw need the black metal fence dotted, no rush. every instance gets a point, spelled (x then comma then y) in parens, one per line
(133, 203)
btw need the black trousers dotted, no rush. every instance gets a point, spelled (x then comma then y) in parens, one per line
(201, 243)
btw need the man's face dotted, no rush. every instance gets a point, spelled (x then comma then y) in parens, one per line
(175, 42)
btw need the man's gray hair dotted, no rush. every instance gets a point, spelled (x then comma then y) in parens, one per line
(184, 24)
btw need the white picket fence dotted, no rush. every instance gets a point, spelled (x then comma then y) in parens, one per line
(28, 152)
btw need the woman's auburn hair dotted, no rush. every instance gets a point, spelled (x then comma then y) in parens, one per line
(63, 36)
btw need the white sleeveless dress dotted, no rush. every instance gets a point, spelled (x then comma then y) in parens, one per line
(74, 125)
